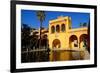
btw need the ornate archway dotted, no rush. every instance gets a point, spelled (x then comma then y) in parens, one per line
(56, 43)
(73, 41)
(56, 53)
(84, 41)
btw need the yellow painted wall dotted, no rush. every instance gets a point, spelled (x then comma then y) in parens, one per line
(63, 37)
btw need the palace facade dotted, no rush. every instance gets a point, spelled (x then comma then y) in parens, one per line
(64, 40)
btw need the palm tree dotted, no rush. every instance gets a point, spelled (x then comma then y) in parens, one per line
(41, 17)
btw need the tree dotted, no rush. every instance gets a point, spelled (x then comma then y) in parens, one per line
(81, 25)
(42, 56)
(84, 24)
(25, 32)
(25, 42)
(41, 17)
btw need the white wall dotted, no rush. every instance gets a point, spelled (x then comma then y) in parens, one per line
(5, 37)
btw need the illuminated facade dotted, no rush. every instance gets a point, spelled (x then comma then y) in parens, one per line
(63, 38)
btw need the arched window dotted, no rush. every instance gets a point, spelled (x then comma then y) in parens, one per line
(63, 27)
(52, 29)
(57, 28)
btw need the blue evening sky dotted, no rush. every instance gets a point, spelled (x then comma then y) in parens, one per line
(29, 17)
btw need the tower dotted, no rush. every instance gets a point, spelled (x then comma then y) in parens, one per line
(57, 37)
